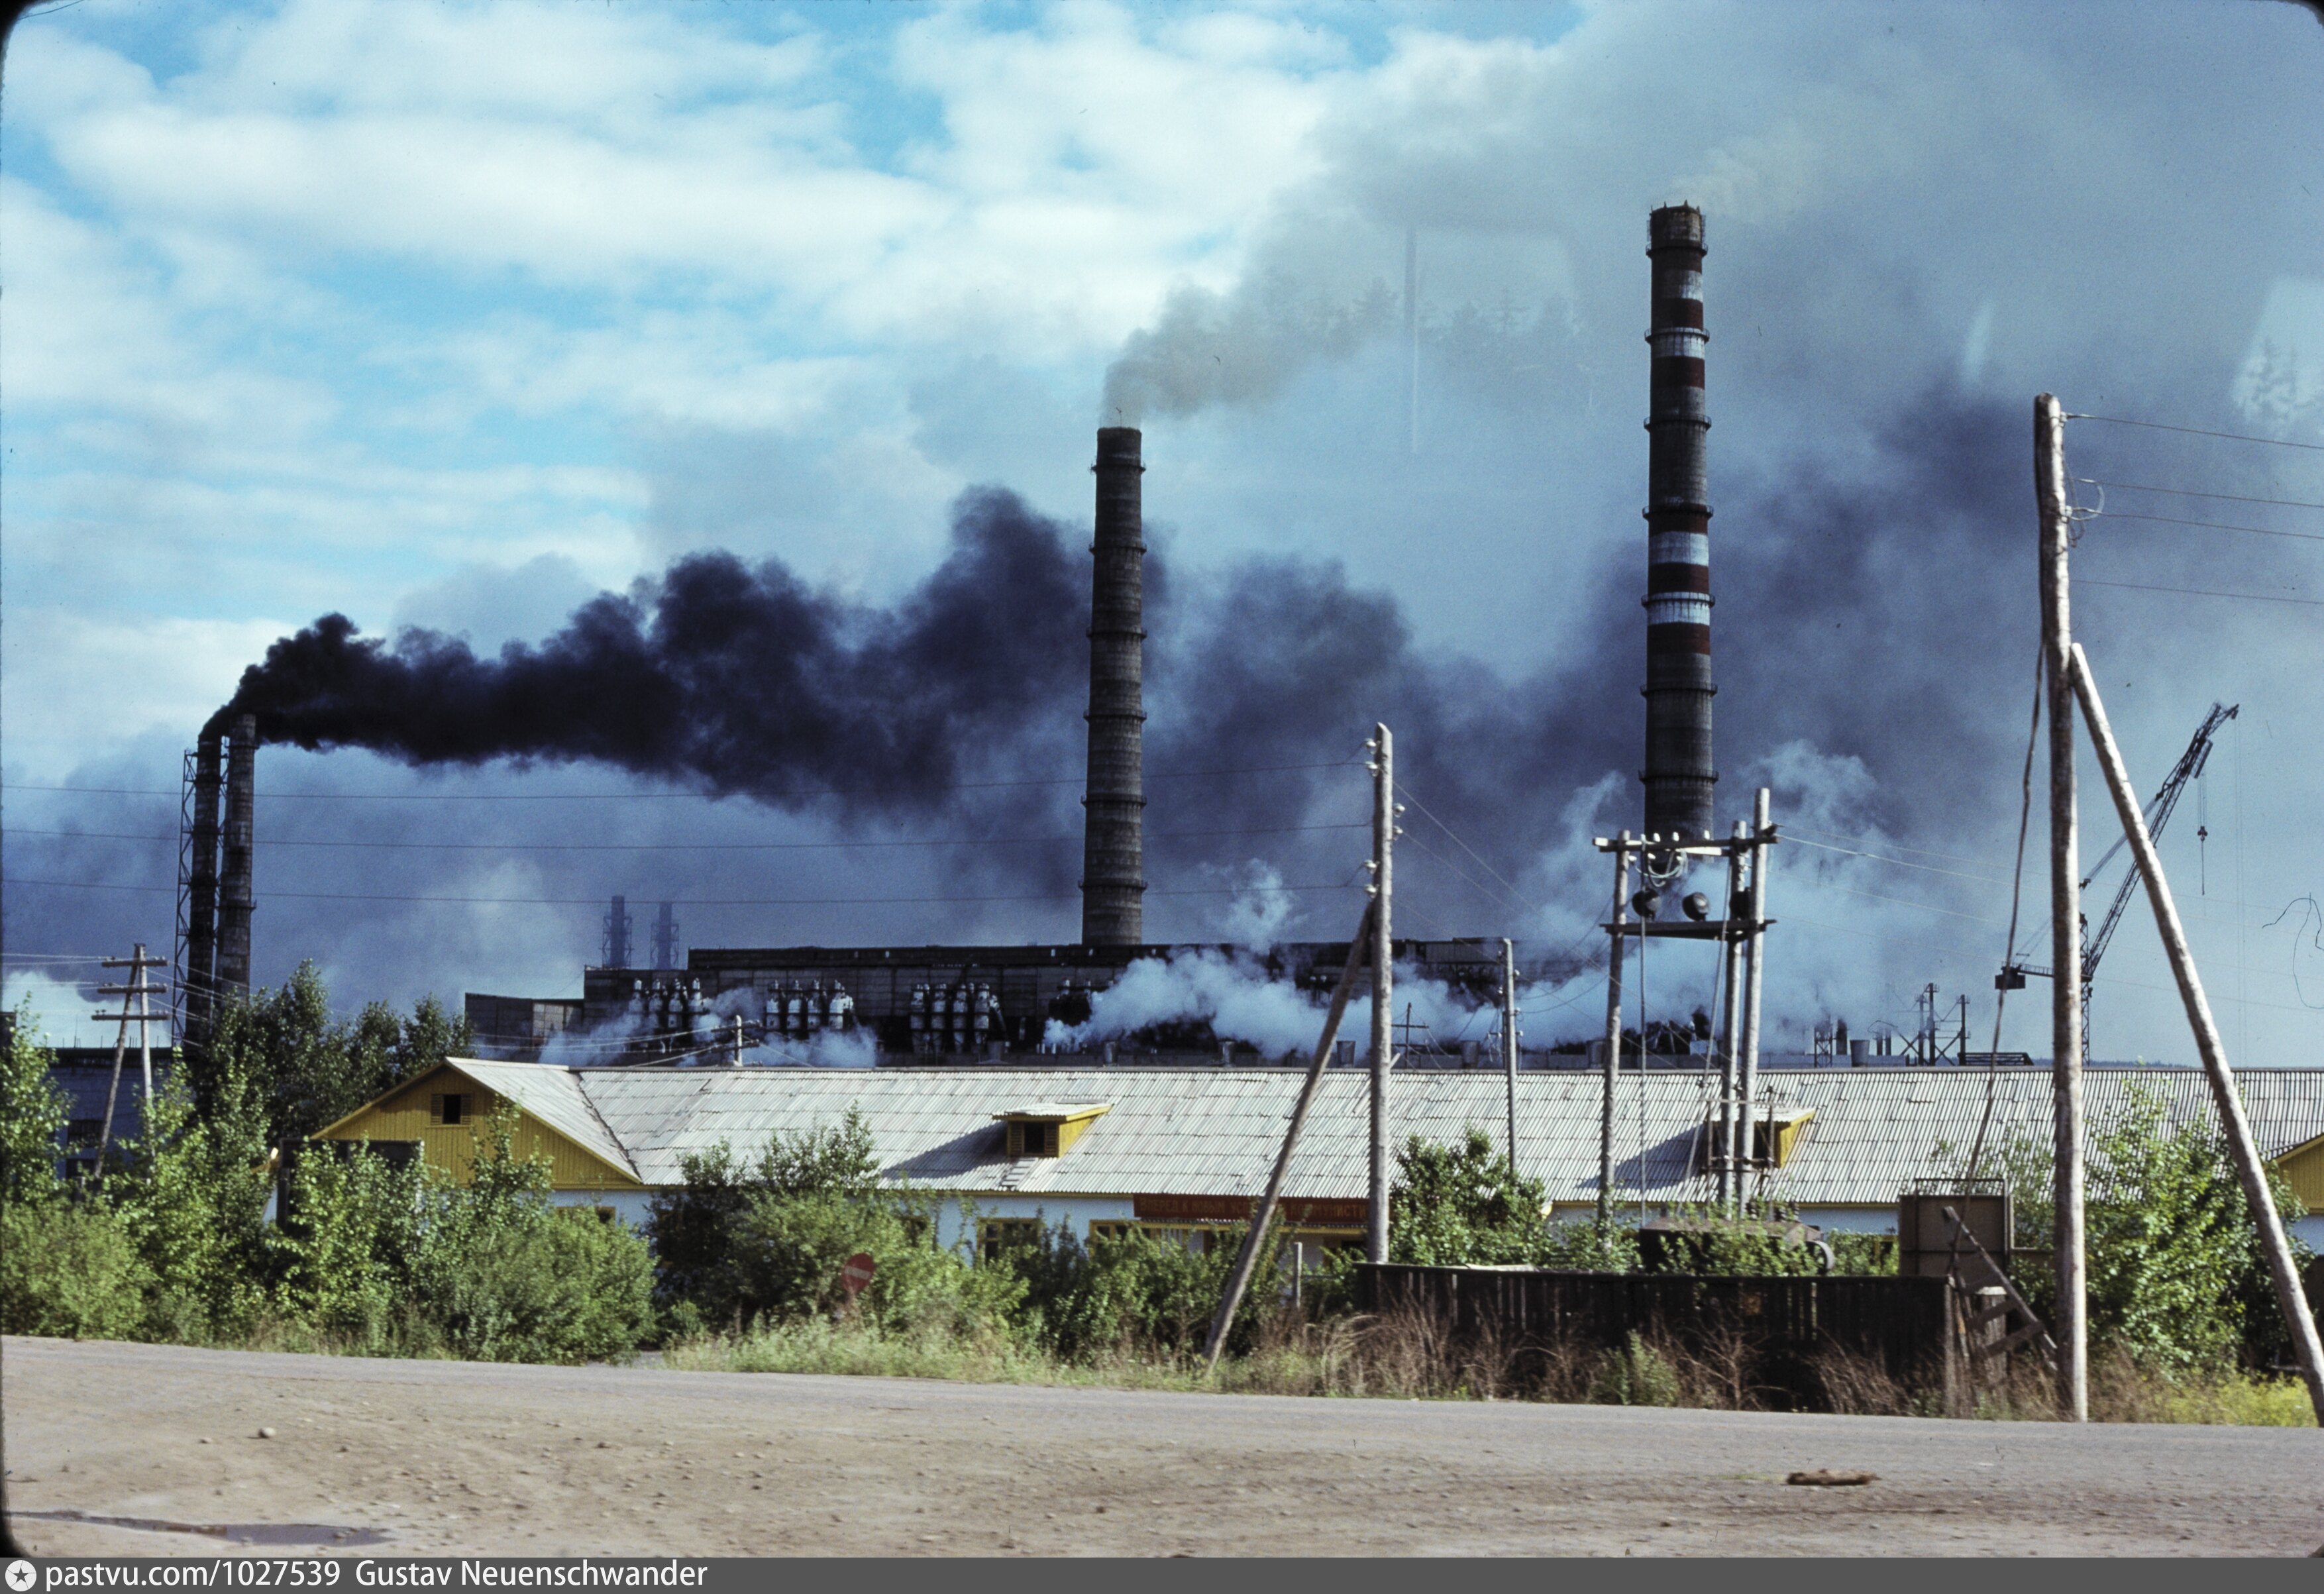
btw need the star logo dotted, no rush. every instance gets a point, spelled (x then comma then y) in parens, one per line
(20, 1576)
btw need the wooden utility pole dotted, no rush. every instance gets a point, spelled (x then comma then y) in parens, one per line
(1621, 850)
(1755, 911)
(2065, 912)
(1239, 1281)
(1730, 1050)
(1509, 1039)
(2236, 1126)
(136, 963)
(1383, 958)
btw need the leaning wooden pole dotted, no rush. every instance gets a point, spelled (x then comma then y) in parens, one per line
(2065, 916)
(1239, 1281)
(2233, 1123)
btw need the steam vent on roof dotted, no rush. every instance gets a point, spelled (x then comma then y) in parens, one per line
(1679, 775)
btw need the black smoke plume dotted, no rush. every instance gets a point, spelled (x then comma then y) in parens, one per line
(734, 679)
(1884, 617)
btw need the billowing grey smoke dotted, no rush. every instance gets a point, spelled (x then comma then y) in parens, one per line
(745, 681)
(1208, 349)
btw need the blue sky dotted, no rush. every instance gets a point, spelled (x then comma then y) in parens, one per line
(454, 315)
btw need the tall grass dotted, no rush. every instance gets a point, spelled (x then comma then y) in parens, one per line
(1407, 1356)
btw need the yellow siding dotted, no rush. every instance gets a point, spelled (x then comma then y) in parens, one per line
(404, 1115)
(2303, 1170)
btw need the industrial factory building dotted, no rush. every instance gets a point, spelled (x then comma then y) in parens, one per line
(1181, 1149)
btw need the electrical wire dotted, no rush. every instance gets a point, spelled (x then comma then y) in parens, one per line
(1515, 896)
(1025, 841)
(2197, 431)
(1793, 830)
(594, 797)
(2016, 888)
(2117, 514)
(2192, 592)
(1899, 863)
(696, 902)
(2192, 493)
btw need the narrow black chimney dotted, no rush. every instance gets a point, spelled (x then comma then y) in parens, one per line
(1114, 851)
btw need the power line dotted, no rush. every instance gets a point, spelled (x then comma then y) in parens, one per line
(1790, 829)
(2190, 493)
(2197, 431)
(2118, 514)
(1026, 841)
(1899, 863)
(2192, 592)
(694, 901)
(596, 796)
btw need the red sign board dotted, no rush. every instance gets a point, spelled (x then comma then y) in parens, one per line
(1238, 1209)
(855, 1273)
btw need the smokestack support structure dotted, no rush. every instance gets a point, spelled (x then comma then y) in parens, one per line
(1679, 775)
(236, 897)
(1113, 845)
(197, 974)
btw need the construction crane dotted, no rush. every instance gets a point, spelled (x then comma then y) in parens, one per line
(2189, 767)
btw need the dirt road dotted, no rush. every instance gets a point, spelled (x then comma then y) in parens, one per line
(448, 1457)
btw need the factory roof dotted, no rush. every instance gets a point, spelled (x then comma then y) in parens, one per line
(1215, 1131)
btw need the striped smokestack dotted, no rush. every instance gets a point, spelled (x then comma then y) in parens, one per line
(1678, 775)
(1113, 849)
(235, 898)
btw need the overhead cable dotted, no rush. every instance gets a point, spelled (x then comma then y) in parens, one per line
(2197, 431)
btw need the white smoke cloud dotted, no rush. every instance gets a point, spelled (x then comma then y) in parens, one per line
(1234, 995)
(1256, 918)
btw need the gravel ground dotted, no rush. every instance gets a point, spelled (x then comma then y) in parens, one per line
(448, 1457)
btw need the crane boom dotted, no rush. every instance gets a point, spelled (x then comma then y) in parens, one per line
(2189, 767)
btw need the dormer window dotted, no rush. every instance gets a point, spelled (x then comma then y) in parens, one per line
(1049, 1129)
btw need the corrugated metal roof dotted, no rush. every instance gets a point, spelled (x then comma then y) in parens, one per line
(555, 1097)
(1211, 1132)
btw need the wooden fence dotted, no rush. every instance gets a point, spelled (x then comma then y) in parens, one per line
(1904, 1327)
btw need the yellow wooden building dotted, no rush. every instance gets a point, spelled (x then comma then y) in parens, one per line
(438, 1117)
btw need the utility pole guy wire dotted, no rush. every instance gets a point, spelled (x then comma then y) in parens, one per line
(2232, 1119)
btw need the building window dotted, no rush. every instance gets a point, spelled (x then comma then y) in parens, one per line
(997, 1235)
(456, 1109)
(1032, 1139)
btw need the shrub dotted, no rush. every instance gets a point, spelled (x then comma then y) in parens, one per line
(2176, 1280)
(346, 1244)
(191, 1197)
(1635, 1373)
(1135, 1293)
(69, 1270)
(1464, 1205)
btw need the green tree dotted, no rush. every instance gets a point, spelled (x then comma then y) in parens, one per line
(345, 1247)
(2176, 1277)
(701, 1251)
(1464, 1204)
(311, 1069)
(32, 1114)
(192, 1198)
